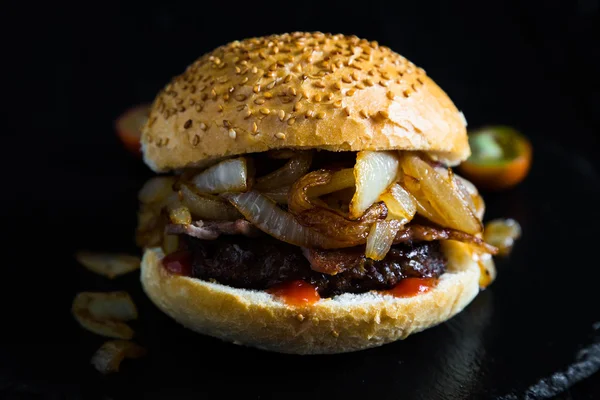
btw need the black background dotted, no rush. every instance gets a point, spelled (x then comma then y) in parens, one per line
(70, 70)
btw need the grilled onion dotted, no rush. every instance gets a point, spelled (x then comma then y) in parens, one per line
(380, 239)
(105, 313)
(205, 206)
(298, 199)
(278, 195)
(297, 166)
(180, 215)
(109, 265)
(401, 205)
(226, 176)
(331, 224)
(339, 180)
(502, 233)
(374, 172)
(156, 189)
(439, 200)
(108, 357)
(268, 217)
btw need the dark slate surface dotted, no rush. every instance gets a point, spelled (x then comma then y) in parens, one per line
(534, 334)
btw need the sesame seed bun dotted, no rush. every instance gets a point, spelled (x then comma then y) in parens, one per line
(300, 90)
(344, 323)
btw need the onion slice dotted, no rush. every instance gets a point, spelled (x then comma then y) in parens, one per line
(107, 359)
(298, 199)
(226, 176)
(105, 313)
(268, 217)
(502, 233)
(297, 166)
(374, 172)
(381, 237)
(156, 189)
(401, 205)
(331, 224)
(205, 206)
(110, 265)
(339, 180)
(278, 195)
(442, 203)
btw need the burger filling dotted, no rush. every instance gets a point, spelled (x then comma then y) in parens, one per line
(343, 222)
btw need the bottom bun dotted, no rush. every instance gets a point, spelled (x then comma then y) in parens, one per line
(344, 323)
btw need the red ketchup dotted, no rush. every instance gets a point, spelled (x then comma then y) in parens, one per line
(296, 293)
(409, 287)
(179, 263)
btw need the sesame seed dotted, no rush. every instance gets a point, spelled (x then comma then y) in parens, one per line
(319, 84)
(320, 115)
(309, 114)
(247, 114)
(254, 70)
(238, 70)
(221, 108)
(256, 88)
(271, 85)
(265, 111)
(350, 92)
(384, 83)
(291, 121)
(188, 124)
(268, 95)
(390, 95)
(240, 97)
(244, 80)
(281, 115)
(347, 111)
(363, 113)
(337, 104)
(329, 96)
(293, 91)
(360, 85)
(297, 106)
(385, 75)
(232, 134)
(354, 76)
(273, 67)
(287, 79)
(369, 82)
(384, 114)
(337, 86)
(259, 101)
(280, 135)
(346, 79)
(317, 97)
(406, 93)
(203, 126)
(254, 127)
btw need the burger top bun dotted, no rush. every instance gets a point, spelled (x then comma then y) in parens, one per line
(300, 90)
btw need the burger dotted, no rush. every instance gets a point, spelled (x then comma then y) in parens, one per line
(306, 202)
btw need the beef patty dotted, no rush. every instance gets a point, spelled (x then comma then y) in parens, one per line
(259, 263)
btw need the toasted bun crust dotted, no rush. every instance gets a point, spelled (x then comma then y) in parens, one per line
(344, 323)
(300, 90)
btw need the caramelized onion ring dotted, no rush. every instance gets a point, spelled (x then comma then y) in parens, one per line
(268, 217)
(297, 166)
(333, 225)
